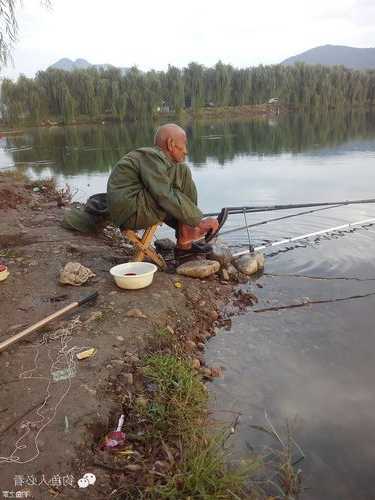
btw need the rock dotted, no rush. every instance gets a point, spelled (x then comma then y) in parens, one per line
(224, 275)
(206, 334)
(232, 271)
(135, 313)
(221, 253)
(199, 268)
(246, 264)
(216, 372)
(213, 315)
(196, 364)
(200, 346)
(206, 372)
(190, 345)
(164, 244)
(75, 274)
(120, 338)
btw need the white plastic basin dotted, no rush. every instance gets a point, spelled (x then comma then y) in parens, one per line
(142, 277)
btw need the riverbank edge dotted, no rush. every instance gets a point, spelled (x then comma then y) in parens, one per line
(173, 449)
(209, 113)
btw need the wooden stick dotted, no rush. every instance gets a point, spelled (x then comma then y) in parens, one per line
(15, 338)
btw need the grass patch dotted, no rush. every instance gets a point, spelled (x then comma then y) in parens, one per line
(179, 398)
(171, 450)
(180, 458)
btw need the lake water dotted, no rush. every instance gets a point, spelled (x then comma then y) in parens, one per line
(311, 366)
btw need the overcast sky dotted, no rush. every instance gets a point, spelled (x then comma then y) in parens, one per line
(152, 34)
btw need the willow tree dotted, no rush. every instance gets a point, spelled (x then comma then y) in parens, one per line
(9, 28)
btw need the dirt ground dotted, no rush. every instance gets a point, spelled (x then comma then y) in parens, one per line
(55, 409)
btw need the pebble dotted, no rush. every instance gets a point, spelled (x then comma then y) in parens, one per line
(120, 338)
(232, 271)
(196, 364)
(135, 313)
(190, 345)
(206, 372)
(200, 346)
(216, 372)
(213, 315)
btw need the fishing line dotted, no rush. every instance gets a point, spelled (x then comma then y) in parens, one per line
(65, 356)
(277, 219)
(309, 235)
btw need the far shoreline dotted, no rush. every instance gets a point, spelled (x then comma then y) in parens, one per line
(249, 111)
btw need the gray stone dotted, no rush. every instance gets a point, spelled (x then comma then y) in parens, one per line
(246, 264)
(199, 268)
(221, 253)
(164, 244)
(232, 271)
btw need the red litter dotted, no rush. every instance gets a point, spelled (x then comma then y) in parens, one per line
(115, 438)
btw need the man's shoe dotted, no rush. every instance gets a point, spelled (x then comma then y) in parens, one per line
(197, 248)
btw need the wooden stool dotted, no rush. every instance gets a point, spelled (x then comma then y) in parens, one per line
(143, 246)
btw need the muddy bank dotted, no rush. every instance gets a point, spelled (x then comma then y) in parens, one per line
(55, 410)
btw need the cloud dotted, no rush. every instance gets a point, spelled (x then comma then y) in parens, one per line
(153, 35)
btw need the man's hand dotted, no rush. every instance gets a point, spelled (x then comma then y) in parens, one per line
(208, 224)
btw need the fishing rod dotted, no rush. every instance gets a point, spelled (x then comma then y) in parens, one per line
(289, 216)
(268, 208)
(304, 236)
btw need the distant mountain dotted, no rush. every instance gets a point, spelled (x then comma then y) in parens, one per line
(67, 64)
(330, 55)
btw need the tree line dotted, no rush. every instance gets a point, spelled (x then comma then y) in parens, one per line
(134, 94)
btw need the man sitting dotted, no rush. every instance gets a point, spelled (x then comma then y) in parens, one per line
(152, 184)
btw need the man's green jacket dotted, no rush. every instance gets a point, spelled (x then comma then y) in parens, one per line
(145, 187)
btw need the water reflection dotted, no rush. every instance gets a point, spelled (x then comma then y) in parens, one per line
(94, 149)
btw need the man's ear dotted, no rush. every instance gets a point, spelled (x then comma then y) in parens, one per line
(170, 144)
